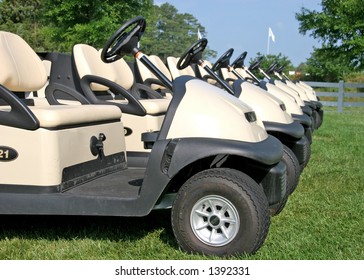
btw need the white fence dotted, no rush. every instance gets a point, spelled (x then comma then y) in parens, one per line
(339, 94)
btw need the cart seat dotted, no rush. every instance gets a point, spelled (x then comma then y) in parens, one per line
(175, 72)
(88, 63)
(155, 107)
(22, 71)
(21, 68)
(63, 116)
(148, 77)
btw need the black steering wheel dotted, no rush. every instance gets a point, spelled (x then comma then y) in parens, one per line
(239, 61)
(280, 68)
(223, 61)
(193, 54)
(271, 68)
(256, 64)
(124, 40)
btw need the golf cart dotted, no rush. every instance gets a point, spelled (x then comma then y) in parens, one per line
(307, 106)
(271, 110)
(302, 88)
(268, 108)
(294, 105)
(218, 175)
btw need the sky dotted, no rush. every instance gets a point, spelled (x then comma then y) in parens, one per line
(244, 24)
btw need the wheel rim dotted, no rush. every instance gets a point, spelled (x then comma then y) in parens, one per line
(215, 220)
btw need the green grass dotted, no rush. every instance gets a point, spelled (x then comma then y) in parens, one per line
(323, 219)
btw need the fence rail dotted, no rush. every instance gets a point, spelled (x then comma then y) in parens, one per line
(340, 94)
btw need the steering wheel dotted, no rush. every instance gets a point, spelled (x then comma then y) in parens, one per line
(239, 61)
(193, 54)
(271, 68)
(124, 40)
(223, 61)
(279, 68)
(256, 64)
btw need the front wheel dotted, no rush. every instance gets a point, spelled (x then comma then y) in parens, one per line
(293, 169)
(220, 212)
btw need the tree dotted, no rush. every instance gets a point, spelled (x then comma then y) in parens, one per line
(49, 25)
(321, 66)
(269, 59)
(88, 21)
(340, 28)
(169, 33)
(57, 25)
(23, 17)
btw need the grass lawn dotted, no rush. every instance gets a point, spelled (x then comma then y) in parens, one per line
(323, 219)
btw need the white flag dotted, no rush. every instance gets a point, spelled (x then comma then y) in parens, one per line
(199, 35)
(271, 35)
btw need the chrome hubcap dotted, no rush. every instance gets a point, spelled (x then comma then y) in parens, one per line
(215, 220)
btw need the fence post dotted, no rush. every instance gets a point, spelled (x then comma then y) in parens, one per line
(340, 99)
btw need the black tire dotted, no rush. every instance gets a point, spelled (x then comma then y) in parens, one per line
(278, 208)
(233, 196)
(293, 169)
(315, 116)
(318, 120)
(307, 155)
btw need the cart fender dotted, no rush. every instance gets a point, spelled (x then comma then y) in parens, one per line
(181, 152)
(293, 129)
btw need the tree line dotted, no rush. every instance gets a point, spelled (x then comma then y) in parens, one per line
(59, 24)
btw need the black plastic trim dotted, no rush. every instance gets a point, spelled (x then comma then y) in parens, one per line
(302, 119)
(307, 110)
(137, 159)
(237, 87)
(78, 174)
(299, 149)
(310, 104)
(188, 150)
(318, 104)
(28, 189)
(20, 116)
(55, 89)
(61, 127)
(141, 91)
(263, 85)
(292, 129)
(133, 107)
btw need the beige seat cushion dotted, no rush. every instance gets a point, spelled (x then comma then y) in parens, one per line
(123, 73)
(21, 69)
(146, 74)
(60, 115)
(88, 62)
(172, 65)
(155, 106)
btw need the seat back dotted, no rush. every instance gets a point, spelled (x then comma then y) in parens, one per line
(124, 75)
(146, 75)
(88, 62)
(227, 75)
(175, 73)
(21, 69)
(204, 75)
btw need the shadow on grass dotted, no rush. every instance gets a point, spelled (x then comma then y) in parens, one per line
(117, 229)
